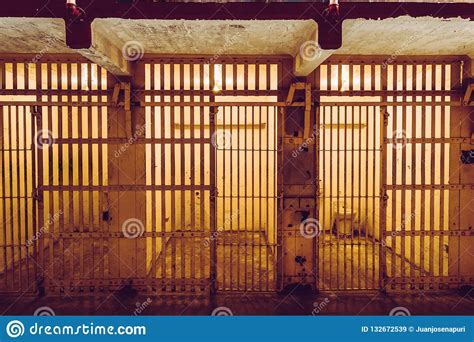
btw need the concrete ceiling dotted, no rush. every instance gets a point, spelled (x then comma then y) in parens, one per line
(405, 35)
(393, 36)
(408, 36)
(270, 37)
(32, 35)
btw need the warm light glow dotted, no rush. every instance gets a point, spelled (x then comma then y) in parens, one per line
(217, 78)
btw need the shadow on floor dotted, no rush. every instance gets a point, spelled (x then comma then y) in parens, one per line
(289, 304)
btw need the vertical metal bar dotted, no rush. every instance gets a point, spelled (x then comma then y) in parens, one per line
(359, 210)
(61, 163)
(442, 176)
(91, 158)
(374, 186)
(80, 158)
(345, 197)
(280, 181)
(267, 174)
(182, 161)
(205, 230)
(50, 268)
(413, 173)
(33, 195)
(432, 170)
(213, 221)
(15, 75)
(317, 156)
(4, 193)
(252, 131)
(383, 190)
(403, 171)
(231, 192)
(367, 198)
(193, 175)
(100, 176)
(71, 167)
(352, 189)
(26, 197)
(239, 233)
(246, 149)
(18, 194)
(153, 169)
(173, 182)
(11, 220)
(423, 182)
(40, 200)
(164, 271)
(331, 206)
(338, 196)
(224, 200)
(260, 192)
(321, 128)
(394, 180)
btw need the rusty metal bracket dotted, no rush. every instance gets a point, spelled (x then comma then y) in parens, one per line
(306, 87)
(467, 96)
(125, 88)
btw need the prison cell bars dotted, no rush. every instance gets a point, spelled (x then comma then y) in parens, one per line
(420, 183)
(225, 248)
(398, 245)
(17, 259)
(349, 143)
(47, 96)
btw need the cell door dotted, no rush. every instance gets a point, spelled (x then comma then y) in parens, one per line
(180, 160)
(18, 229)
(213, 150)
(246, 176)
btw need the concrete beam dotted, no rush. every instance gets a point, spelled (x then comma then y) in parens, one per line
(309, 57)
(113, 58)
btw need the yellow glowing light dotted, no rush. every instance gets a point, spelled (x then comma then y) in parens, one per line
(217, 78)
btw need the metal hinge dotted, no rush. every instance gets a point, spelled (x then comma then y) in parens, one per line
(384, 197)
(36, 196)
(213, 193)
(36, 111)
(386, 115)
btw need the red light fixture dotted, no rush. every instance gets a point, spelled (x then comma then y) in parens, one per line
(332, 11)
(73, 10)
